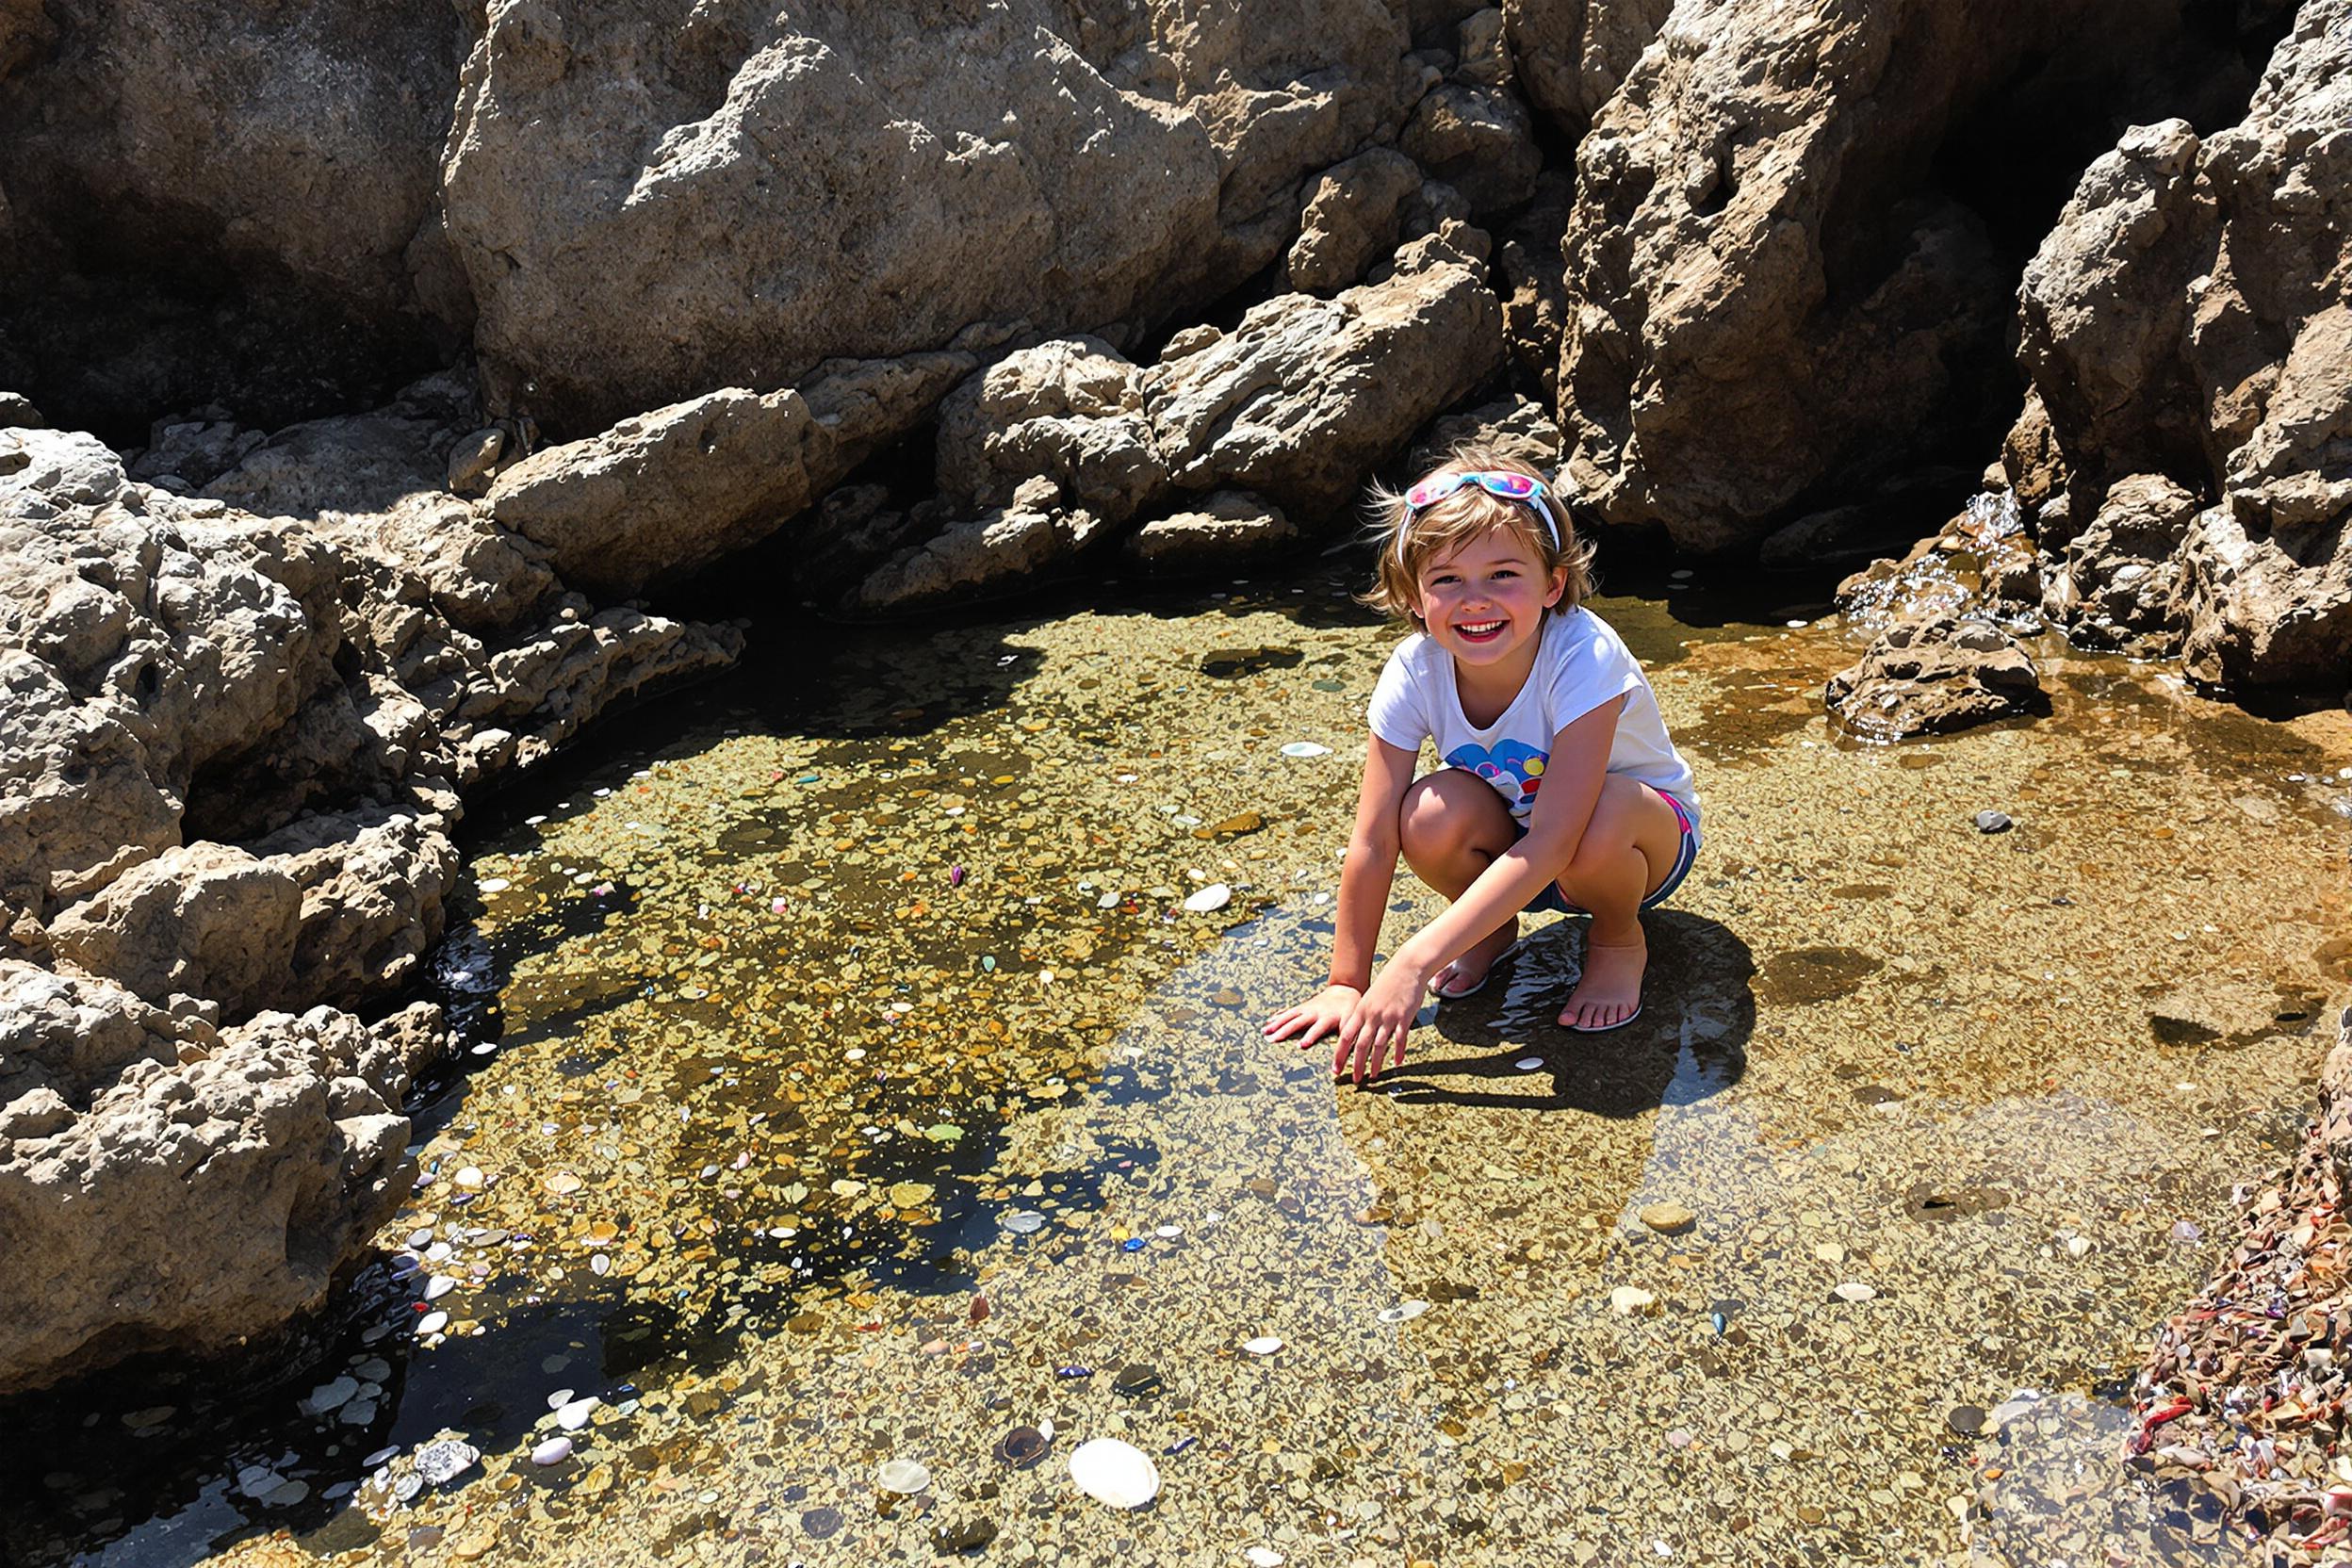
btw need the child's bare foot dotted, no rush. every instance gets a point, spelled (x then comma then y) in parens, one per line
(1610, 995)
(1469, 971)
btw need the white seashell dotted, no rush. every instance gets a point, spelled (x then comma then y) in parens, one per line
(561, 1398)
(575, 1415)
(1853, 1290)
(1264, 1345)
(1403, 1312)
(471, 1178)
(905, 1477)
(1214, 896)
(1529, 1064)
(1115, 1473)
(1263, 1556)
(1631, 1298)
(432, 1323)
(1304, 748)
(438, 1286)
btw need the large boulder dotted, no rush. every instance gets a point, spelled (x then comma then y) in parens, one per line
(1070, 409)
(1354, 216)
(223, 198)
(201, 919)
(1307, 396)
(2191, 317)
(1781, 299)
(650, 200)
(664, 494)
(168, 1185)
(1572, 55)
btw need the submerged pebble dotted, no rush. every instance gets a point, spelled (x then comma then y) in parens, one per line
(555, 1450)
(905, 1477)
(1214, 896)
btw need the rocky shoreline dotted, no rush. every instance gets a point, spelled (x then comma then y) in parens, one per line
(1138, 294)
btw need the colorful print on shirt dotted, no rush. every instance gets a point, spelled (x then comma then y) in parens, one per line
(1514, 768)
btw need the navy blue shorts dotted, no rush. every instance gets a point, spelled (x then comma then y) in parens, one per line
(1550, 900)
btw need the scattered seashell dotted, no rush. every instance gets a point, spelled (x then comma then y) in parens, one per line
(1853, 1290)
(562, 1184)
(1629, 1299)
(905, 1477)
(1115, 1473)
(1264, 1345)
(1403, 1312)
(471, 1178)
(1214, 896)
(438, 1286)
(445, 1459)
(1024, 1222)
(432, 1323)
(1304, 748)
(1263, 1556)
(576, 1414)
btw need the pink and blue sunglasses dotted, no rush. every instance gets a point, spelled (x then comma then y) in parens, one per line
(1530, 493)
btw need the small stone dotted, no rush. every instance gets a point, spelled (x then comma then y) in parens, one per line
(1529, 1064)
(1263, 1556)
(965, 1535)
(563, 1183)
(1305, 748)
(576, 1414)
(1023, 1447)
(438, 1286)
(1993, 822)
(444, 1460)
(1668, 1219)
(333, 1396)
(1966, 1420)
(432, 1323)
(471, 1178)
(1024, 1222)
(555, 1450)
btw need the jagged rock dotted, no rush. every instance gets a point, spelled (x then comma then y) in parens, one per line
(1571, 55)
(1481, 49)
(1512, 426)
(168, 1185)
(474, 461)
(1535, 296)
(1479, 141)
(666, 493)
(2117, 583)
(1306, 396)
(372, 883)
(2191, 314)
(17, 411)
(1931, 676)
(1229, 528)
(206, 919)
(637, 245)
(1030, 537)
(1352, 218)
(355, 463)
(1070, 409)
(1777, 302)
(193, 452)
(223, 202)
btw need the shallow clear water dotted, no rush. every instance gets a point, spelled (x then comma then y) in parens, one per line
(851, 1086)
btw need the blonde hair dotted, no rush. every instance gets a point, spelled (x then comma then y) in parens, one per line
(1410, 541)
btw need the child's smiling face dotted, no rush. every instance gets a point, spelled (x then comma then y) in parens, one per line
(1486, 601)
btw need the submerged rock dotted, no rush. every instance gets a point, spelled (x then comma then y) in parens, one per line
(1931, 676)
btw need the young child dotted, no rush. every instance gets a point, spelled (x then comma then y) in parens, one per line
(1560, 790)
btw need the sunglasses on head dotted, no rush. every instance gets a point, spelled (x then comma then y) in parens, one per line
(1530, 492)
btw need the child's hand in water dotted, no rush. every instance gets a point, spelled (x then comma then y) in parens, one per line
(1322, 1014)
(1378, 1026)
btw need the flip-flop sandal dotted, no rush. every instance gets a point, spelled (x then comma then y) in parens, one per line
(1605, 1028)
(1455, 994)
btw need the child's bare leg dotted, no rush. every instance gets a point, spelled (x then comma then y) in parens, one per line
(1453, 825)
(1627, 849)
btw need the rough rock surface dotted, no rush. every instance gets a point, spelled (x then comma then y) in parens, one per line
(1229, 528)
(1070, 409)
(1572, 55)
(652, 201)
(1931, 676)
(667, 493)
(1354, 216)
(182, 687)
(205, 920)
(1306, 396)
(1478, 139)
(167, 1184)
(155, 146)
(1513, 427)
(1030, 537)
(2191, 316)
(2117, 583)
(1776, 300)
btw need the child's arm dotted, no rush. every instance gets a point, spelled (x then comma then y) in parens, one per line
(1571, 787)
(1364, 877)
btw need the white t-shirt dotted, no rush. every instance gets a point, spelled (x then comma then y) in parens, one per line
(1580, 663)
